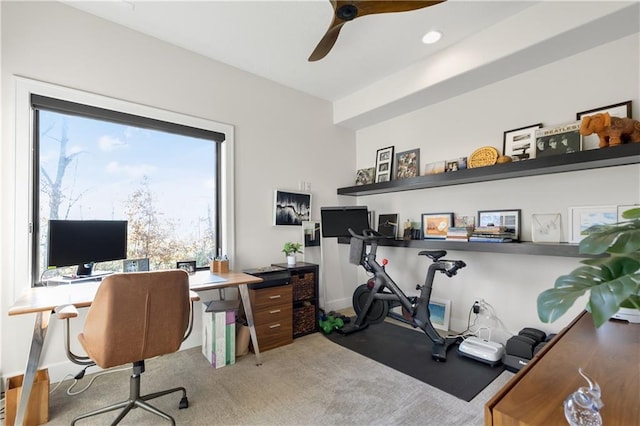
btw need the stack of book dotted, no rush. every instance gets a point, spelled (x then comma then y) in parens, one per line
(491, 234)
(459, 233)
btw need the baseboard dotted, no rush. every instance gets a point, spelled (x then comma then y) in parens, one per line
(336, 305)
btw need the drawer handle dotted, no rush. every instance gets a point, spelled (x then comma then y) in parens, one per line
(274, 326)
(275, 311)
(277, 296)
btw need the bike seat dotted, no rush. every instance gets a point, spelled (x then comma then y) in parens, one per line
(433, 254)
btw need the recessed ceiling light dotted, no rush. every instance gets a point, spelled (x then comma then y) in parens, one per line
(431, 37)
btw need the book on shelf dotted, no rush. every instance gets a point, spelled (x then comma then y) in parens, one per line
(490, 239)
(459, 233)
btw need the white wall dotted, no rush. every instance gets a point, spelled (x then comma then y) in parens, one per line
(456, 127)
(281, 136)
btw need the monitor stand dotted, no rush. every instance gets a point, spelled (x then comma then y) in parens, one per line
(84, 269)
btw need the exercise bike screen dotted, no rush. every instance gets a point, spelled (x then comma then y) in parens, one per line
(336, 221)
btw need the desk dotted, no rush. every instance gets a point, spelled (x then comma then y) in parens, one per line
(43, 300)
(610, 355)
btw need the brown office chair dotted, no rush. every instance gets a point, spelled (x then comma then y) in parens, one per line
(133, 317)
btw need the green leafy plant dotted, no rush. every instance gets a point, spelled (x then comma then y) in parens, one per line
(612, 281)
(292, 248)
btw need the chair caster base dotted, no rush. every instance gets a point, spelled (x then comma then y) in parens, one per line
(184, 403)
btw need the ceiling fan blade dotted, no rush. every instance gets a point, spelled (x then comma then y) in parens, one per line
(328, 40)
(371, 7)
(345, 11)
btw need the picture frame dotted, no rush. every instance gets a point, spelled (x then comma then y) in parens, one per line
(622, 110)
(557, 140)
(384, 164)
(509, 219)
(582, 218)
(388, 224)
(365, 176)
(436, 225)
(135, 265)
(187, 265)
(455, 164)
(546, 228)
(408, 164)
(519, 144)
(434, 168)
(291, 208)
(311, 233)
(440, 313)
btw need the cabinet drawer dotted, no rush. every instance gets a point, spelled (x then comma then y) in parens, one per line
(273, 314)
(304, 285)
(269, 297)
(273, 335)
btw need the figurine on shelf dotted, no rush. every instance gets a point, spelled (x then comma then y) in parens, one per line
(582, 408)
(611, 130)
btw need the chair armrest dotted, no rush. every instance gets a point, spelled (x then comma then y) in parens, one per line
(65, 311)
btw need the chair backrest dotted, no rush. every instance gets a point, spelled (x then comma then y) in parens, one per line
(136, 316)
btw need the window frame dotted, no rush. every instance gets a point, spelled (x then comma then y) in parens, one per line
(23, 273)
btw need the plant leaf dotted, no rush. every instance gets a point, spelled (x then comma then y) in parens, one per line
(605, 299)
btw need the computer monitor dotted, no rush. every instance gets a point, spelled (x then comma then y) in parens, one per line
(336, 221)
(84, 242)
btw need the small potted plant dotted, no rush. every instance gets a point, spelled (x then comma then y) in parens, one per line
(290, 249)
(612, 281)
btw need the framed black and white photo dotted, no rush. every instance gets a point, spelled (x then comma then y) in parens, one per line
(408, 164)
(384, 164)
(546, 228)
(440, 313)
(622, 110)
(436, 225)
(135, 265)
(187, 265)
(582, 218)
(291, 208)
(456, 164)
(519, 144)
(562, 139)
(365, 176)
(388, 224)
(508, 219)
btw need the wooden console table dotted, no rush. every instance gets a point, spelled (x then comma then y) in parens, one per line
(610, 355)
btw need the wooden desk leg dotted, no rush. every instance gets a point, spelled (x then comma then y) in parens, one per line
(37, 341)
(246, 302)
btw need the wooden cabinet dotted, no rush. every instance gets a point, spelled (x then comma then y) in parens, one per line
(272, 315)
(610, 355)
(304, 284)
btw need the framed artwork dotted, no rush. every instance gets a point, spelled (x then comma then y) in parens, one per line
(434, 168)
(563, 139)
(311, 233)
(622, 209)
(436, 225)
(187, 265)
(546, 228)
(456, 164)
(365, 176)
(291, 208)
(582, 218)
(622, 109)
(408, 164)
(464, 221)
(509, 219)
(135, 265)
(440, 313)
(519, 144)
(388, 224)
(384, 164)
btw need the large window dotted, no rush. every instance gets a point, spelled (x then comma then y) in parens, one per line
(163, 178)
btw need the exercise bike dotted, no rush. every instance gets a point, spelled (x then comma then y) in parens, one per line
(373, 301)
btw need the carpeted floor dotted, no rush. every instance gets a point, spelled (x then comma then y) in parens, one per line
(310, 382)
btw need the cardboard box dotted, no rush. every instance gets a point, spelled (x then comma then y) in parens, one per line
(38, 407)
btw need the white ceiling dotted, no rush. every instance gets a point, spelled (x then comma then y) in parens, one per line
(273, 39)
(379, 67)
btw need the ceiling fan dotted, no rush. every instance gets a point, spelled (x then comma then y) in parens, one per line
(345, 11)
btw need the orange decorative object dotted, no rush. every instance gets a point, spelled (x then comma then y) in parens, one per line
(485, 156)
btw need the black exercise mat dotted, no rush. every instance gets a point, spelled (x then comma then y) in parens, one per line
(409, 352)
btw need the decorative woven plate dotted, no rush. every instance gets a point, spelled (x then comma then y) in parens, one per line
(485, 156)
